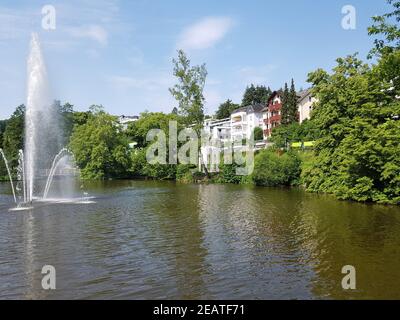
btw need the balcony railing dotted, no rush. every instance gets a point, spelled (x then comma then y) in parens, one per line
(275, 118)
(275, 107)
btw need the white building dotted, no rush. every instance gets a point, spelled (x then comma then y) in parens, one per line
(125, 120)
(245, 120)
(218, 129)
(305, 104)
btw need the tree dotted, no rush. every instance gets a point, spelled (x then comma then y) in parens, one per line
(285, 106)
(387, 27)
(283, 136)
(225, 109)
(3, 124)
(289, 105)
(13, 137)
(358, 154)
(255, 94)
(188, 92)
(66, 120)
(292, 110)
(274, 169)
(137, 131)
(258, 134)
(100, 147)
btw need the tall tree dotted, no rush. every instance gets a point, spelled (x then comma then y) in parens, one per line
(285, 105)
(293, 113)
(255, 94)
(3, 124)
(188, 92)
(225, 109)
(289, 105)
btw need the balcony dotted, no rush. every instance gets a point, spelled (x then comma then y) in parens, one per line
(274, 119)
(275, 107)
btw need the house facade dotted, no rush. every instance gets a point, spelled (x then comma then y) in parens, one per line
(218, 129)
(245, 120)
(305, 104)
(272, 113)
(125, 120)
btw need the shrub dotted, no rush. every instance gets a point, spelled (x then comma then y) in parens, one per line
(274, 169)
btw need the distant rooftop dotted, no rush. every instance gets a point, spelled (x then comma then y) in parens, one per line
(251, 108)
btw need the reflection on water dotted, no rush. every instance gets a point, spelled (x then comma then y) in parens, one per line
(161, 240)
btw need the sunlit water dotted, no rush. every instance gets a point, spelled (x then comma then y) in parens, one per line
(153, 240)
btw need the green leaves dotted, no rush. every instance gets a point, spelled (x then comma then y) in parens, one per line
(100, 147)
(272, 169)
(357, 156)
(225, 109)
(255, 94)
(189, 89)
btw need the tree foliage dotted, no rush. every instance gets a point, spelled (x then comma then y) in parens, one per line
(255, 94)
(358, 154)
(258, 134)
(100, 147)
(284, 135)
(289, 113)
(386, 27)
(271, 168)
(225, 109)
(13, 136)
(188, 92)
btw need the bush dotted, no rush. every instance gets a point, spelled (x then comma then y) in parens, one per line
(184, 173)
(141, 168)
(274, 169)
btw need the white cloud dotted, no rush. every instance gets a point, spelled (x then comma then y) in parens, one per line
(93, 32)
(205, 33)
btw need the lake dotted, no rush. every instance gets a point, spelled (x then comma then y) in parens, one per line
(163, 240)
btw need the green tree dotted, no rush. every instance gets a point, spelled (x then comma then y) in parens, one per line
(285, 106)
(3, 124)
(289, 105)
(295, 132)
(225, 109)
(80, 118)
(387, 28)
(100, 147)
(272, 168)
(137, 131)
(358, 154)
(188, 92)
(255, 94)
(258, 134)
(13, 137)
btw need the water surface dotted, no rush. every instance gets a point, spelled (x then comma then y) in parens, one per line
(162, 240)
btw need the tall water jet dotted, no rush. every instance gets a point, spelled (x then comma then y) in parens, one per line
(42, 133)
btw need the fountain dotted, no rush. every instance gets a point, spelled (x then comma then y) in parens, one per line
(9, 174)
(43, 139)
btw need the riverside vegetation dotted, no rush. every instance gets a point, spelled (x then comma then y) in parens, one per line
(355, 124)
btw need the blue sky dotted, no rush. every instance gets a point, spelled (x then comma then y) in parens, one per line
(118, 53)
